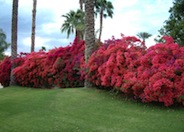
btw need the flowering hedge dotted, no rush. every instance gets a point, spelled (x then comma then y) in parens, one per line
(59, 67)
(154, 74)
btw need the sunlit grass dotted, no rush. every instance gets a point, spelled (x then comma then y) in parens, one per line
(82, 110)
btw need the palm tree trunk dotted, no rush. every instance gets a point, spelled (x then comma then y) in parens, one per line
(89, 33)
(101, 24)
(78, 35)
(81, 4)
(14, 39)
(33, 26)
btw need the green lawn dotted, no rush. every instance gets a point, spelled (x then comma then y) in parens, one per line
(82, 110)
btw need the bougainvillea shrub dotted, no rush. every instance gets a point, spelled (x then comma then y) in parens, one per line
(66, 64)
(160, 77)
(59, 67)
(113, 61)
(29, 73)
(154, 74)
(5, 67)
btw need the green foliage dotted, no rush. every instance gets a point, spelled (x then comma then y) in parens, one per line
(143, 35)
(82, 110)
(105, 9)
(3, 44)
(74, 22)
(43, 48)
(104, 6)
(174, 26)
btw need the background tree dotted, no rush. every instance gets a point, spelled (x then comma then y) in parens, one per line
(174, 26)
(144, 36)
(74, 22)
(14, 38)
(33, 26)
(89, 33)
(3, 44)
(105, 9)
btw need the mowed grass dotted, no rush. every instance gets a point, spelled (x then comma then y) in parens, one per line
(82, 110)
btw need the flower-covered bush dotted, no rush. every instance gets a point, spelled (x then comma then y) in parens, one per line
(65, 64)
(5, 66)
(114, 60)
(154, 74)
(160, 77)
(29, 73)
(59, 67)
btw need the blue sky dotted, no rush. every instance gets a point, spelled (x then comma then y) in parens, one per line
(130, 17)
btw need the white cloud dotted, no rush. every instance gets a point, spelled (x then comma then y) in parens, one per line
(50, 28)
(8, 52)
(39, 42)
(54, 5)
(119, 4)
(131, 17)
(150, 41)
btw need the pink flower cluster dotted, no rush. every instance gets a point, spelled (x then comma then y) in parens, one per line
(59, 67)
(154, 74)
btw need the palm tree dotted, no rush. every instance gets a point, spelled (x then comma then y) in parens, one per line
(144, 36)
(33, 26)
(14, 38)
(74, 22)
(89, 33)
(105, 9)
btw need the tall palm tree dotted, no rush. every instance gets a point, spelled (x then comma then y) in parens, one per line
(33, 26)
(89, 33)
(144, 36)
(74, 22)
(14, 38)
(105, 9)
